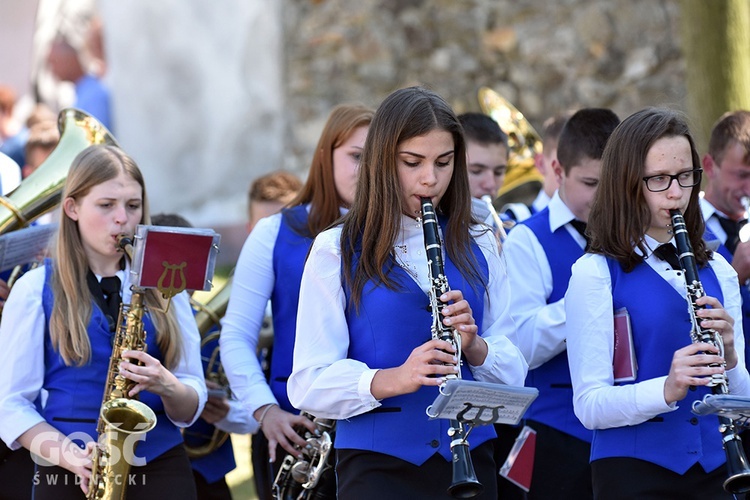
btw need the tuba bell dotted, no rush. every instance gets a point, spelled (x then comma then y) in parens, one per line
(207, 317)
(40, 192)
(522, 180)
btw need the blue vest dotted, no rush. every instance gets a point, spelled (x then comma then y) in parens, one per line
(678, 439)
(744, 292)
(554, 406)
(289, 255)
(75, 393)
(387, 327)
(218, 463)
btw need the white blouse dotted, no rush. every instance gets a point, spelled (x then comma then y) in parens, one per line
(22, 356)
(328, 384)
(597, 402)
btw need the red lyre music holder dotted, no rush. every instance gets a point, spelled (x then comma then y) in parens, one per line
(173, 259)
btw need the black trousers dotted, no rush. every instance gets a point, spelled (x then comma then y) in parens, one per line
(561, 465)
(628, 478)
(16, 473)
(264, 472)
(366, 475)
(218, 490)
(167, 476)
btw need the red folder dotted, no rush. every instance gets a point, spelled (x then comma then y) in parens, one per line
(519, 465)
(624, 364)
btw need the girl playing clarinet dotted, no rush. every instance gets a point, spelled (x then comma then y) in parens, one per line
(363, 353)
(643, 426)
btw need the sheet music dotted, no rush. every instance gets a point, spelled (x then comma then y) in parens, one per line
(24, 245)
(482, 402)
(727, 405)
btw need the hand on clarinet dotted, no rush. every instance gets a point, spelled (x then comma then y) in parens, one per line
(691, 364)
(281, 429)
(690, 367)
(429, 363)
(718, 319)
(458, 314)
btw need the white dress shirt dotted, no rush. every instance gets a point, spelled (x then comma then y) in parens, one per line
(22, 356)
(712, 223)
(328, 384)
(252, 287)
(541, 326)
(598, 403)
(237, 420)
(541, 201)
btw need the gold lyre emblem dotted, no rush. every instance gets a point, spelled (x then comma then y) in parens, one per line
(172, 270)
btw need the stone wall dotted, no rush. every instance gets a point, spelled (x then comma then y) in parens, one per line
(210, 95)
(542, 56)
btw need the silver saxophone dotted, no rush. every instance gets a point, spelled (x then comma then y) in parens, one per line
(310, 476)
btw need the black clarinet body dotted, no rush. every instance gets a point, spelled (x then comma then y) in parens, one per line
(464, 483)
(738, 480)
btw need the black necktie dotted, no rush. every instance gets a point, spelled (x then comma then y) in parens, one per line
(580, 226)
(111, 291)
(732, 228)
(668, 253)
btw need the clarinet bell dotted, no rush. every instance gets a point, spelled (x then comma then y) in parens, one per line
(738, 469)
(465, 483)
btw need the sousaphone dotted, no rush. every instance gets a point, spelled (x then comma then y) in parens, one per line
(522, 180)
(40, 192)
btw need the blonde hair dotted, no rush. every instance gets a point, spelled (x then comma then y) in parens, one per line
(72, 307)
(277, 186)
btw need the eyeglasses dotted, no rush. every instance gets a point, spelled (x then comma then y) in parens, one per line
(662, 182)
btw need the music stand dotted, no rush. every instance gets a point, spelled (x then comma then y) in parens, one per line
(173, 259)
(736, 408)
(481, 403)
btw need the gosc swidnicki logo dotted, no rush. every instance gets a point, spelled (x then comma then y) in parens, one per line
(47, 449)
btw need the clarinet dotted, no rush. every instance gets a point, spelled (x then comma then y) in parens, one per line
(464, 483)
(737, 464)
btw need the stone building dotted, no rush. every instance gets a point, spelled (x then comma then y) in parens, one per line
(209, 95)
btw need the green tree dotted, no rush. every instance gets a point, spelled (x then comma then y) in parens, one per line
(716, 40)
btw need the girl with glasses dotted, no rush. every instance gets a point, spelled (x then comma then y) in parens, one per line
(643, 426)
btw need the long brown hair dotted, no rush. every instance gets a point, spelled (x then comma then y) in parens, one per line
(619, 215)
(72, 308)
(320, 189)
(371, 227)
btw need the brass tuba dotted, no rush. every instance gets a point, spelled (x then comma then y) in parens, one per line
(40, 192)
(209, 316)
(522, 179)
